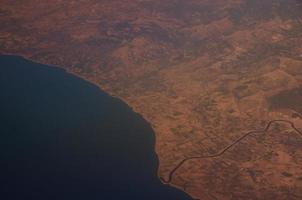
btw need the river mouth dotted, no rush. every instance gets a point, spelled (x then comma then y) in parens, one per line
(63, 138)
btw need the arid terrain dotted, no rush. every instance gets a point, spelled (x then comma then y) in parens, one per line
(203, 73)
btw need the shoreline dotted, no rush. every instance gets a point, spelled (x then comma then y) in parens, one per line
(26, 57)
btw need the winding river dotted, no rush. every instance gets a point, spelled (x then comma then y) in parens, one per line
(225, 149)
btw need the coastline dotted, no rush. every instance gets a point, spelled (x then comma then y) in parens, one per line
(27, 57)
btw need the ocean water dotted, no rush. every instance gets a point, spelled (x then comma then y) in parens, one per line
(63, 138)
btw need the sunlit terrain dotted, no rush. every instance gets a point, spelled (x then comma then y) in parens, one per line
(203, 73)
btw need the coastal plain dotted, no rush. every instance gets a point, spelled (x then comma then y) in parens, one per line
(201, 72)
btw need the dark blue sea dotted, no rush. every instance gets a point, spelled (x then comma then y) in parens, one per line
(63, 138)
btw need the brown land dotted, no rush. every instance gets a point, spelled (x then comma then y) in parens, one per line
(202, 72)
